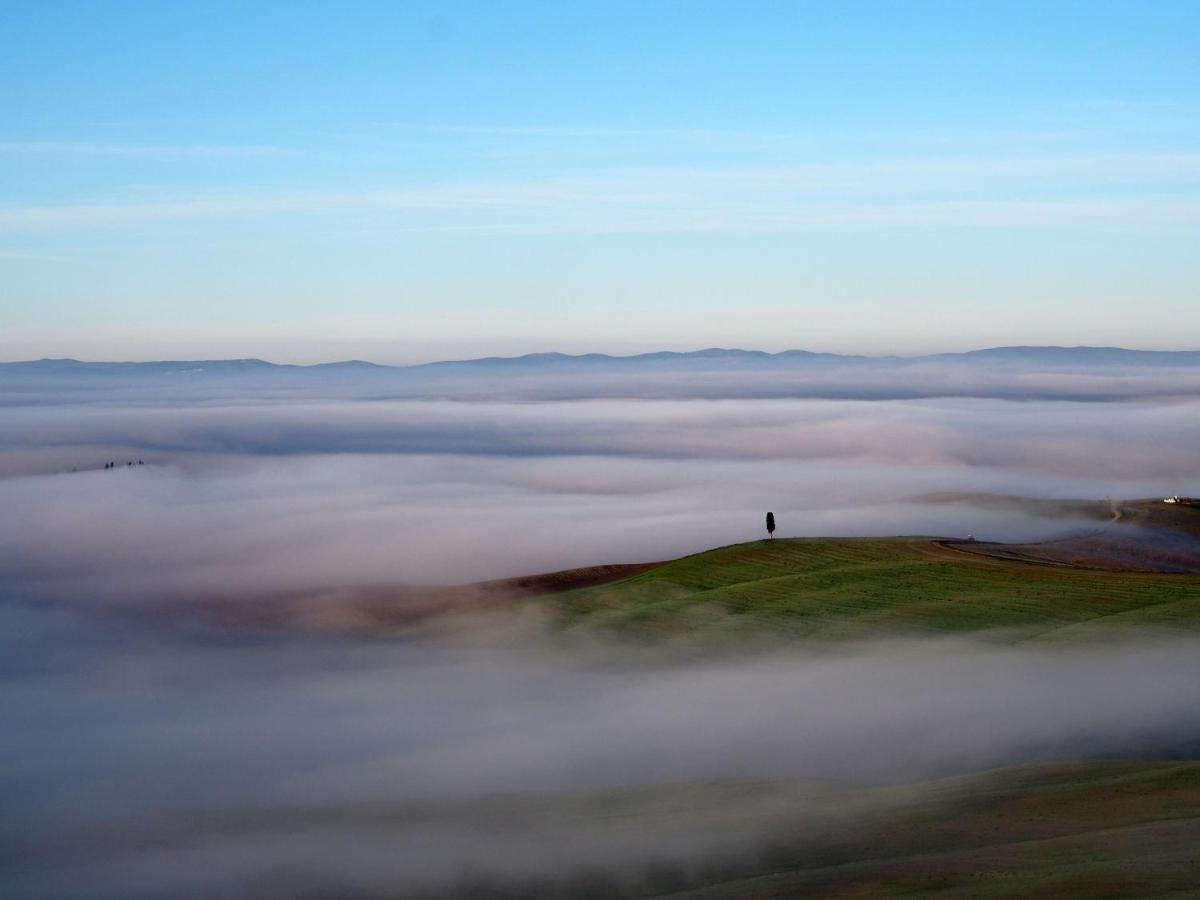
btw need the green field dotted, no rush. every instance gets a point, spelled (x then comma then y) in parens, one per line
(851, 588)
(1098, 829)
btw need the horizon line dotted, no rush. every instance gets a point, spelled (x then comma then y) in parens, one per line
(558, 355)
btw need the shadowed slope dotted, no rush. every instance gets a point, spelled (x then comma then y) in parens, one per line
(1111, 829)
(1102, 828)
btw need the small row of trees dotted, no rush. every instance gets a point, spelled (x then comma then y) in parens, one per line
(113, 465)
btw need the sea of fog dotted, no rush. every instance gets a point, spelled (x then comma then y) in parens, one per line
(253, 485)
(146, 755)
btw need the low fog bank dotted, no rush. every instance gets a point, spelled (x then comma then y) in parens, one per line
(242, 529)
(1042, 376)
(1049, 438)
(877, 381)
(146, 763)
(261, 494)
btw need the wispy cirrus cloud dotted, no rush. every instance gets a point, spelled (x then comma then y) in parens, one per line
(515, 213)
(1072, 191)
(20, 256)
(88, 148)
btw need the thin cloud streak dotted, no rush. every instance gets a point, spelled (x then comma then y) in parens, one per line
(604, 213)
(51, 148)
(20, 256)
(905, 193)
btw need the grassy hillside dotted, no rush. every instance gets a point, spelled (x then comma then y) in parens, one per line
(1098, 829)
(846, 588)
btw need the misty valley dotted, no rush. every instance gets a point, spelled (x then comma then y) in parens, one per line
(352, 633)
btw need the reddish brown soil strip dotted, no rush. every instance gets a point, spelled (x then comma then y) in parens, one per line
(370, 607)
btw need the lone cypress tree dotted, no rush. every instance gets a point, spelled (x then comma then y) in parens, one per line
(771, 524)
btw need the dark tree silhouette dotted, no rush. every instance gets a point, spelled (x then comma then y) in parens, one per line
(771, 524)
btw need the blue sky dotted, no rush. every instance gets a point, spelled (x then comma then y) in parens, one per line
(401, 182)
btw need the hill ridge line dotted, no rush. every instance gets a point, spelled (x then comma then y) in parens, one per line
(1029, 352)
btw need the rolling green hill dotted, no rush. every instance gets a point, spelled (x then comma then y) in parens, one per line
(849, 588)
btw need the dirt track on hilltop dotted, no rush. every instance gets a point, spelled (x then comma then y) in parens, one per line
(1143, 536)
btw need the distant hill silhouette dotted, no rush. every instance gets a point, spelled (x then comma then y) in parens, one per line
(713, 358)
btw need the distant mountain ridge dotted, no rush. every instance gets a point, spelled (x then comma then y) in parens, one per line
(712, 354)
(723, 357)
